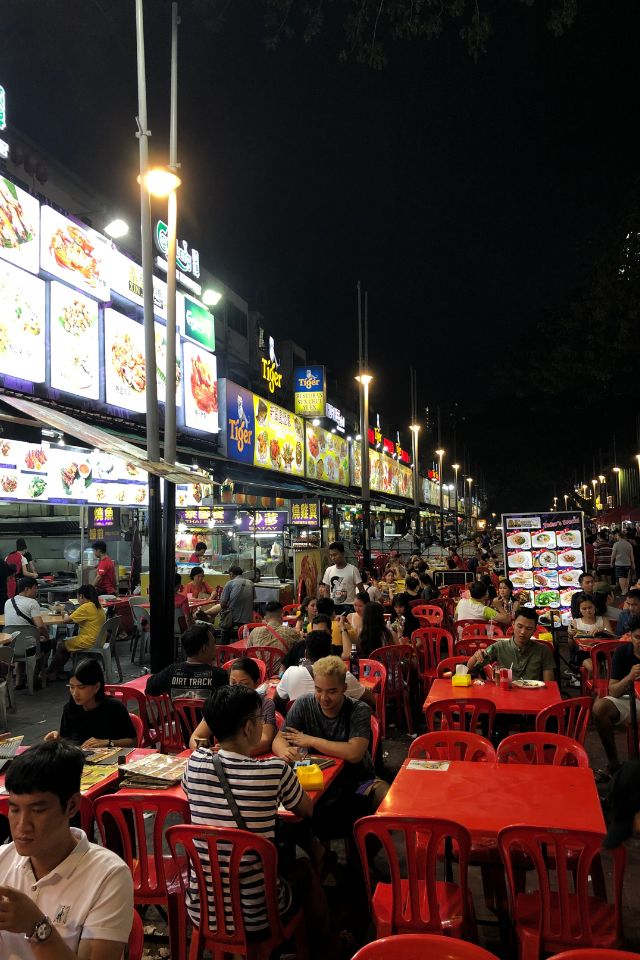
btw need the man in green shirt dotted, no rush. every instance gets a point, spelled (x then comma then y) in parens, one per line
(530, 659)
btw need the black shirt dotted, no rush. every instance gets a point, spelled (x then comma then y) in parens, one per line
(108, 721)
(297, 652)
(195, 681)
(623, 659)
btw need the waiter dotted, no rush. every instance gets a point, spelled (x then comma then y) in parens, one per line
(105, 580)
(198, 556)
(22, 562)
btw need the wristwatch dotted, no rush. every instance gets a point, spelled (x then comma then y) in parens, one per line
(111, 743)
(42, 931)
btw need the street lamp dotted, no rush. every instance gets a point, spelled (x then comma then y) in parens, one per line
(566, 497)
(211, 297)
(161, 181)
(595, 501)
(456, 467)
(616, 470)
(440, 455)
(470, 481)
(117, 228)
(364, 379)
(415, 429)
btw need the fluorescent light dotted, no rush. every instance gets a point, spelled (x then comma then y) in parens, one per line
(117, 228)
(211, 297)
(61, 442)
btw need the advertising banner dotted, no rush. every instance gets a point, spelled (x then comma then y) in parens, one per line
(269, 521)
(19, 227)
(241, 423)
(386, 475)
(125, 369)
(77, 255)
(161, 364)
(200, 389)
(22, 324)
(279, 438)
(305, 513)
(126, 279)
(74, 342)
(327, 456)
(104, 524)
(198, 324)
(310, 391)
(207, 516)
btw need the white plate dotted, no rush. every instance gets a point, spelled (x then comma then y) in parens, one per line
(519, 541)
(520, 560)
(544, 538)
(528, 684)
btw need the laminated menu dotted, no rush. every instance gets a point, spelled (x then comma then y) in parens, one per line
(92, 776)
(428, 765)
(9, 747)
(154, 772)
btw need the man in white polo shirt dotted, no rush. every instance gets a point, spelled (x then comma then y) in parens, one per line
(61, 897)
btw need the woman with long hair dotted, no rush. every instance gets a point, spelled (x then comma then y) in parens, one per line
(375, 632)
(404, 623)
(360, 602)
(429, 590)
(90, 618)
(308, 610)
(506, 597)
(91, 718)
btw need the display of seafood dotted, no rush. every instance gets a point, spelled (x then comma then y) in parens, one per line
(128, 362)
(77, 317)
(15, 228)
(274, 450)
(204, 387)
(313, 445)
(8, 482)
(5, 447)
(35, 459)
(72, 250)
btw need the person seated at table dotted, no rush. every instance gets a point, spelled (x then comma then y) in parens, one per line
(308, 610)
(587, 624)
(194, 678)
(91, 718)
(477, 606)
(198, 554)
(245, 672)
(342, 633)
(199, 589)
(298, 651)
(453, 553)
(370, 585)
(530, 660)
(62, 897)
(399, 570)
(181, 602)
(630, 609)
(604, 600)
(90, 618)
(403, 622)
(298, 680)
(24, 610)
(412, 588)
(428, 589)
(234, 717)
(615, 707)
(476, 561)
(505, 598)
(587, 584)
(275, 634)
(387, 585)
(324, 591)
(354, 619)
(375, 633)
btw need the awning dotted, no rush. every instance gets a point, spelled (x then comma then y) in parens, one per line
(101, 439)
(617, 515)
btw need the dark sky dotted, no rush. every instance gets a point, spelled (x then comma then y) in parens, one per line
(459, 194)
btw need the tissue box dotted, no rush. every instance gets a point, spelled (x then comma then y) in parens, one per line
(310, 777)
(461, 680)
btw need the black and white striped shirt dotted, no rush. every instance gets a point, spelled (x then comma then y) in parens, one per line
(258, 787)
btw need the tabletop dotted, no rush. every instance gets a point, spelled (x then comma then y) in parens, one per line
(583, 643)
(516, 700)
(486, 797)
(47, 618)
(5, 638)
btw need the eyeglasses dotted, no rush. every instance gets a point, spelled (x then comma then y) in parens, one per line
(258, 716)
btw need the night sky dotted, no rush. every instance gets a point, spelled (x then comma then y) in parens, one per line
(459, 194)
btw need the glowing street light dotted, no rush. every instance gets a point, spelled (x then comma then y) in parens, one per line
(456, 467)
(161, 182)
(211, 297)
(117, 228)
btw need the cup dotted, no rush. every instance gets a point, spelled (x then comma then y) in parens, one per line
(496, 674)
(505, 682)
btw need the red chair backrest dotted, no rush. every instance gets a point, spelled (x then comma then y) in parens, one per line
(542, 748)
(375, 736)
(419, 946)
(432, 640)
(125, 694)
(125, 812)
(448, 666)
(226, 653)
(262, 667)
(466, 648)
(415, 901)
(279, 719)
(246, 628)
(460, 713)
(564, 914)
(456, 589)
(266, 655)
(452, 745)
(373, 669)
(434, 615)
(572, 717)
(601, 656)
(472, 629)
(188, 714)
(139, 728)
(417, 602)
(136, 938)
(391, 657)
(290, 703)
(164, 722)
(219, 887)
(591, 953)
(290, 609)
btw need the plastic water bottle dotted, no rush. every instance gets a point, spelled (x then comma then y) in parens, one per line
(354, 662)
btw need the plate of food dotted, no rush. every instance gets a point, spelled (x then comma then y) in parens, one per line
(35, 459)
(261, 412)
(545, 580)
(128, 363)
(520, 559)
(77, 369)
(313, 445)
(274, 450)
(548, 558)
(298, 454)
(322, 440)
(37, 487)
(570, 558)
(99, 492)
(569, 538)
(297, 426)
(569, 578)
(311, 468)
(288, 456)
(204, 386)
(330, 468)
(522, 578)
(543, 538)
(519, 541)
(528, 684)
(565, 597)
(104, 467)
(77, 317)
(262, 446)
(547, 598)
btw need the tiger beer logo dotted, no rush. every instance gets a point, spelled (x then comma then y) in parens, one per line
(239, 434)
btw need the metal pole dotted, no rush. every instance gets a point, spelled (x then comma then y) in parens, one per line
(366, 494)
(441, 506)
(359, 329)
(457, 537)
(633, 716)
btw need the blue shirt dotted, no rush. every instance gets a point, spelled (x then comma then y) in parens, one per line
(622, 626)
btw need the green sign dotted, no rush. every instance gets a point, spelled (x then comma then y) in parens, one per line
(198, 323)
(3, 109)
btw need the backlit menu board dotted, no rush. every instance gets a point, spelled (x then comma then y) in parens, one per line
(544, 555)
(23, 471)
(161, 364)
(124, 364)
(19, 227)
(74, 342)
(263, 521)
(126, 279)
(200, 388)
(386, 475)
(279, 438)
(77, 255)
(22, 324)
(327, 456)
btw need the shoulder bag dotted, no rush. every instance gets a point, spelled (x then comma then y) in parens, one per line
(21, 614)
(286, 850)
(225, 617)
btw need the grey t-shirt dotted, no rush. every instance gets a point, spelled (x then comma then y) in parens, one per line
(354, 720)
(239, 594)
(622, 555)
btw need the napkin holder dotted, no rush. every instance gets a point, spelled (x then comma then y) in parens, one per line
(310, 777)
(461, 680)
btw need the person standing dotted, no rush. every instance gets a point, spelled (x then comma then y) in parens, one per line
(602, 551)
(198, 555)
(623, 561)
(343, 579)
(237, 594)
(105, 579)
(19, 558)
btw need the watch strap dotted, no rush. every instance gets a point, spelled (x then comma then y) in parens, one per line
(42, 931)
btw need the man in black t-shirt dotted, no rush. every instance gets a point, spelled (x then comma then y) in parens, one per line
(194, 678)
(615, 708)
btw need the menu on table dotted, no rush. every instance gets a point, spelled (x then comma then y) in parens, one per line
(545, 557)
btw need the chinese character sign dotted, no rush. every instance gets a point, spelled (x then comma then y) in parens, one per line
(305, 513)
(267, 521)
(104, 523)
(207, 516)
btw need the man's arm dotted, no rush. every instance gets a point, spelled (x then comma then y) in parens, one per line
(548, 676)
(501, 616)
(159, 683)
(304, 808)
(618, 688)
(40, 624)
(352, 752)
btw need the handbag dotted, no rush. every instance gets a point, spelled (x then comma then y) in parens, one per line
(285, 849)
(225, 617)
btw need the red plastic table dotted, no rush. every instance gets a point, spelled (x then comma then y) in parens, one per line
(485, 797)
(516, 700)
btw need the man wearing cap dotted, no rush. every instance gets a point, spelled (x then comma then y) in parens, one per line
(624, 797)
(615, 708)
(603, 592)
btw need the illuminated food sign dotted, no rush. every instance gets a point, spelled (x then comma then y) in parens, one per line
(310, 391)
(200, 389)
(124, 364)
(327, 456)
(19, 227)
(269, 521)
(104, 523)
(305, 513)
(75, 254)
(334, 414)
(270, 374)
(279, 438)
(74, 342)
(22, 324)
(207, 517)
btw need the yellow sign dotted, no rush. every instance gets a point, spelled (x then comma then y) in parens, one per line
(279, 438)
(269, 374)
(327, 456)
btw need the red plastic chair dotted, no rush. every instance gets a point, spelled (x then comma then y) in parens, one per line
(420, 946)
(432, 614)
(188, 714)
(467, 647)
(245, 629)
(601, 656)
(453, 745)
(136, 938)
(269, 656)
(420, 903)
(279, 720)
(447, 667)
(395, 688)
(227, 652)
(429, 653)
(125, 694)
(164, 722)
(572, 717)
(373, 669)
(551, 749)
(290, 609)
(262, 667)
(139, 728)
(375, 737)
(224, 879)
(460, 714)
(593, 953)
(123, 828)
(473, 629)
(550, 919)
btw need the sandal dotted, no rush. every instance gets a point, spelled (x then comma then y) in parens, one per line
(603, 775)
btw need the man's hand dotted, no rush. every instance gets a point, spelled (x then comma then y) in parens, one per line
(18, 912)
(291, 754)
(53, 735)
(296, 738)
(635, 672)
(480, 655)
(92, 743)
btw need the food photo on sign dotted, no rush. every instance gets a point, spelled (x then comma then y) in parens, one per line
(19, 227)
(200, 388)
(161, 364)
(277, 438)
(125, 371)
(22, 324)
(75, 254)
(74, 342)
(327, 456)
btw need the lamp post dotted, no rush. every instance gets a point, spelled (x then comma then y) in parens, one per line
(603, 499)
(616, 470)
(595, 501)
(470, 481)
(415, 428)
(364, 380)
(566, 497)
(440, 455)
(456, 467)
